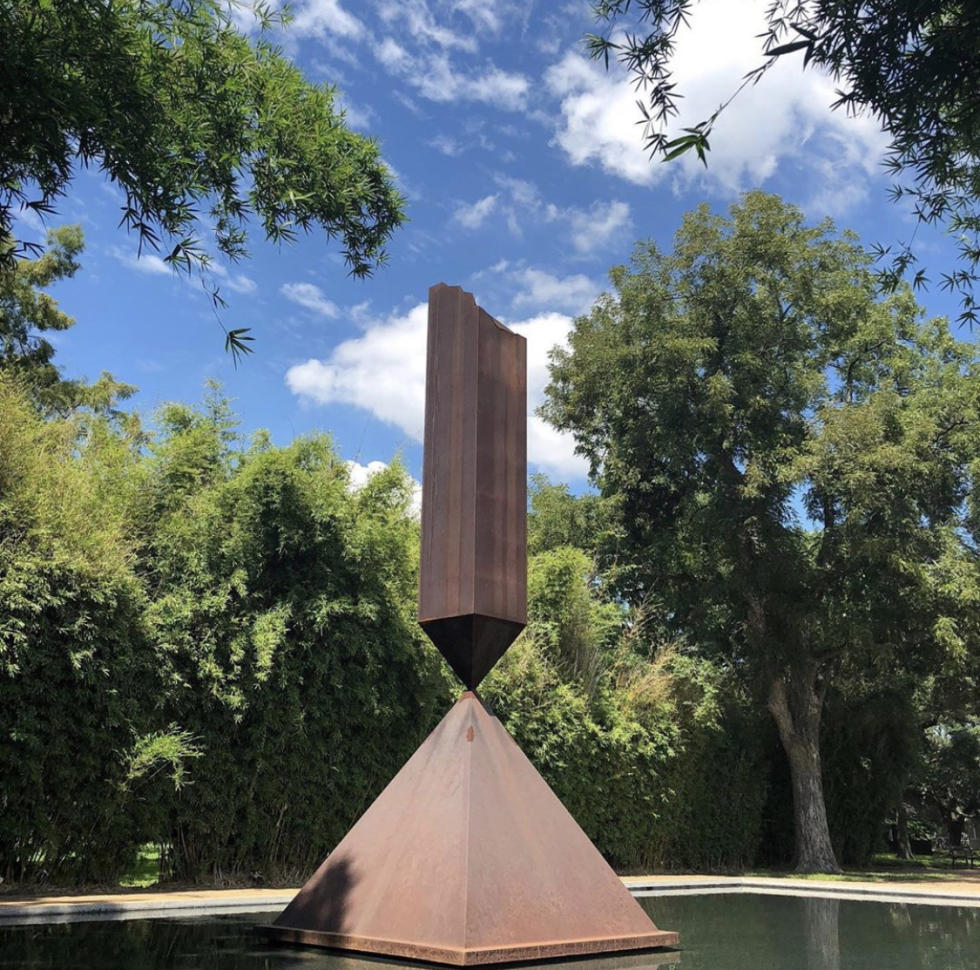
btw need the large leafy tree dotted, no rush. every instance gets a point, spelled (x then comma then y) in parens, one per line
(793, 460)
(948, 777)
(196, 124)
(911, 64)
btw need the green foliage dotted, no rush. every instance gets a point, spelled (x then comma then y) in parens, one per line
(575, 628)
(713, 817)
(947, 777)
(282, 610)
(193, 122)
(657, 772)
(750, 371)
(195, 638)
(653, 757)
(558, 518)
(870, 741)
(900, 61)
(198, 632)
(751, 368)
(580, 747)
(716, 781)
(75, 664)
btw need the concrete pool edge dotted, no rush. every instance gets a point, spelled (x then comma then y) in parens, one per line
(196, 902)
(112, 906)
(944, 894)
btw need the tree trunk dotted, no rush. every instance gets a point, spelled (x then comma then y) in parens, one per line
(903, 848)
(797, 714)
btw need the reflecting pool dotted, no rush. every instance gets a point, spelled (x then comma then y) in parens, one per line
(718, 932)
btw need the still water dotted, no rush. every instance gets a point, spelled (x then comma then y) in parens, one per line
(718, 932)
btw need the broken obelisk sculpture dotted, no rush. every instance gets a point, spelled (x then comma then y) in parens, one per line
(468, 857)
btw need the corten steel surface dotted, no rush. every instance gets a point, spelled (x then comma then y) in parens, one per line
(468, 857)
(473, 568)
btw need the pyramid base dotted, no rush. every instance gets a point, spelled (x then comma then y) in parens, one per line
(468, 858)
(469, 958)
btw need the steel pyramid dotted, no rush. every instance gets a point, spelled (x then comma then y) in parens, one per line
(466, 858)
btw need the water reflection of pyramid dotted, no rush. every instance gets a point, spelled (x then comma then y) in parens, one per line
(468, 857)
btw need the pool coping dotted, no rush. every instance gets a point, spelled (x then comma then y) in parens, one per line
(942, 894)
(197, 902)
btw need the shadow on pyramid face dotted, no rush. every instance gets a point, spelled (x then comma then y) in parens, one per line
(328, 906)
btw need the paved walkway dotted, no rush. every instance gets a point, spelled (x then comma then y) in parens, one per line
(963, 890)
(111, 905)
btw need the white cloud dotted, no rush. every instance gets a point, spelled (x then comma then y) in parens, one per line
(432, 74)
(473, 216)
(32, 221)
(420, 22)
(382, 371)
(356, 115)
(147, 263)
(421, 56)
(446, 145)
(520, 202)
(318, 18)
(487, 18)
(786, 117)
(155, 266)
(310, 297)
(490, 17)
(244, 18)
(359, 475)
(522, 192)
(529, 289)
(435, 78)
(240, 283)
(501, 89)
(393, 55)
(832, 195)
(551, 450)
(236, 282)
(407, 187)
(537, 288)
(596, 226)
(599, 119)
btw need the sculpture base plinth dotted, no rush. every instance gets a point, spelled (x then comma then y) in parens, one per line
(469, 958)
(467, 858)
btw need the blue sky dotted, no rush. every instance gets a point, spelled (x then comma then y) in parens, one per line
(526, 180)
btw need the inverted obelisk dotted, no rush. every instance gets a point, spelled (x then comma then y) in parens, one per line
(468, 857)
(473, 566)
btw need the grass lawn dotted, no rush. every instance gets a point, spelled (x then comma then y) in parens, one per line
(146, 872)
(886, 867)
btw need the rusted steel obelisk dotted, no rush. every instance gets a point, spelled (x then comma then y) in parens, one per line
(468, 857)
